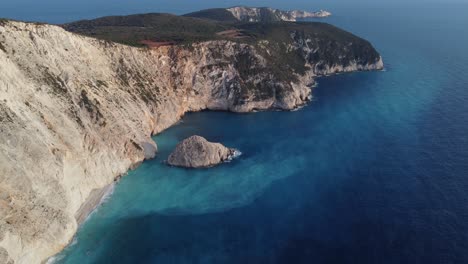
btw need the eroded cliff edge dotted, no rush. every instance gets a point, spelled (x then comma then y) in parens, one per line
(77, 112)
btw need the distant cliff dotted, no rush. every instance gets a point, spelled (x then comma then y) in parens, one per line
(77, 112)
(266, 14)
(256, 14)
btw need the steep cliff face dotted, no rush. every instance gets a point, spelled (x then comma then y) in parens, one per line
(76, 112)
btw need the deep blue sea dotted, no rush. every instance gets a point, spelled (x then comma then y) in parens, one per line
(373, 170)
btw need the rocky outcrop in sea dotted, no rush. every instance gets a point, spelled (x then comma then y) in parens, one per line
(197, 152)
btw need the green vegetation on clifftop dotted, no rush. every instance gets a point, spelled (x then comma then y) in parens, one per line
(217, 14)
(289, 47)
(133, 29)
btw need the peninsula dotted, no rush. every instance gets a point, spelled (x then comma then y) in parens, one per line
(79, 102)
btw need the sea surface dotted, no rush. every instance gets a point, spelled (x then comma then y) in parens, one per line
(373, 170)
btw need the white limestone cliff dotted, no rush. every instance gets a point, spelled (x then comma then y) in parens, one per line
(258, 14)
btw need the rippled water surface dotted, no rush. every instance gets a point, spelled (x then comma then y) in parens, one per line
(374, 170)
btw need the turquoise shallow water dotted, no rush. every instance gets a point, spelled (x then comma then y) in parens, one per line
(373, 170)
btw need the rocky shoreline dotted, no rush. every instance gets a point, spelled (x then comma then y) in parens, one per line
(93, 201)
(77, 113)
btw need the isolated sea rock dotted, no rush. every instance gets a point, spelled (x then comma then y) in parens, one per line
(197, 152)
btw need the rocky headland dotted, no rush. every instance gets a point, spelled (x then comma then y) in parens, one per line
(197, 152)
(76, 112)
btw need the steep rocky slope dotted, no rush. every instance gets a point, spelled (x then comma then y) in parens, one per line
(77, 112)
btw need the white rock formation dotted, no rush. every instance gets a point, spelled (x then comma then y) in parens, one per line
(258, 14)
(76, 112)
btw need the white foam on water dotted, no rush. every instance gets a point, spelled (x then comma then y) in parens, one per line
(237, 153)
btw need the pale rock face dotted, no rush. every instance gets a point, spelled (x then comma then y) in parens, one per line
(295, 15)
(197, 152)
(75, 113)
(245, 13)
(255, 14)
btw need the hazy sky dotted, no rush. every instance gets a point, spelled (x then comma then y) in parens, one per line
(57, 11)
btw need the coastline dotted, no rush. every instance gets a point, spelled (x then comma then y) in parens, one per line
(97, 196)
(94, 200)
(100, 135)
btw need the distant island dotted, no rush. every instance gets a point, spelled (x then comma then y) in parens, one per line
(81, 101)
